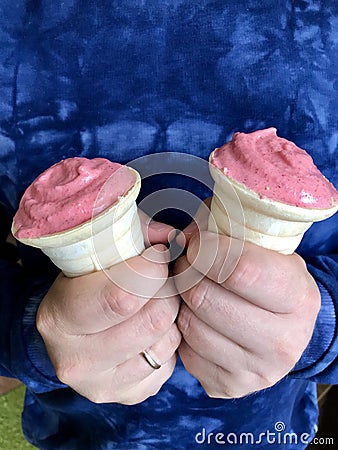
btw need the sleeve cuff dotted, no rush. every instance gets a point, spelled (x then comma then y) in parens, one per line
(317, 355)
(36, 370)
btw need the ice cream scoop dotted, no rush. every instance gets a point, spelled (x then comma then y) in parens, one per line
(82, 213)
(275, 168)
(67, 195)
(280, 190)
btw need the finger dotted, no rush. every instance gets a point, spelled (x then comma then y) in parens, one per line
(262, 333)
(199, 223)
(104, 352)
(265, 358)
(217, 381)
(137, 369)
(162, 350)
(152, 328)
(130, 383)
(185, 276)
(207, 373)
(248, 326)
(94, 302)
(154, 232)
(167, 290)
(209, 344)
(266, 278)
(130, 338)
(146, 387)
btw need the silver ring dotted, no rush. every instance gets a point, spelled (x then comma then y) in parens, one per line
(150, 360)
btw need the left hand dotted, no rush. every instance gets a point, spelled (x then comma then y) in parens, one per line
(246, 333)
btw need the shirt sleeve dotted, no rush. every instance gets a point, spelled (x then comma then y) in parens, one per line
(22, 351)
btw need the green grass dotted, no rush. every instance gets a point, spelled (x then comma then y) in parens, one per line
(11, 405)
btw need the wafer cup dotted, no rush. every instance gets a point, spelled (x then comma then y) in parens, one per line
(109, 238)
(267, 223)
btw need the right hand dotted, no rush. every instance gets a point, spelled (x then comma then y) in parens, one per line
(95, 331)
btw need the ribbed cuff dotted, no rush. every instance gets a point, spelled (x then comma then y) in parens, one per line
(317, 356)
(35, 370)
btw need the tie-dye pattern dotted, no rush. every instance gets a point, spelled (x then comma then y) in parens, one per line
(121, 79)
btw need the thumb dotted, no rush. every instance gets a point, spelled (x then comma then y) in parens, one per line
(199, 223)
(154, 232)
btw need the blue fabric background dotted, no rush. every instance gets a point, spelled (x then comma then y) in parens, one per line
(122, 79)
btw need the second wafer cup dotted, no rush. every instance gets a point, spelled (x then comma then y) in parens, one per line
(241, 213)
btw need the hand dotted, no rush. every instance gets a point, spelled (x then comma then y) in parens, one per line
(244, 331)
(95, 331)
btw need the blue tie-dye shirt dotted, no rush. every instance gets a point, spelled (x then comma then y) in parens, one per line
(122, 79)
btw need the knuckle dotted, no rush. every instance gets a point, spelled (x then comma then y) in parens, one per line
(312, 297)
(48, 324)
(156, 388)
(99, 396)
(245, 274)
(65, 373)
(286, 352)
(184, 322)
(227, 386)
(139, 397)
(222, 391)
(156, 270)
(42, 321)
(153, 279)
(160, 318)
(298, 260)
(70, 370)
(117, 302)
(174, 337)
(211, 393)
(131, 401)
(305, 293)
(264, 380)
(214, 390)
(230, 392)
(199, 296)
(306, 296)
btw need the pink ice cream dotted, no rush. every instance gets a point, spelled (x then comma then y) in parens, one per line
(66, 195)
(275, 168)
